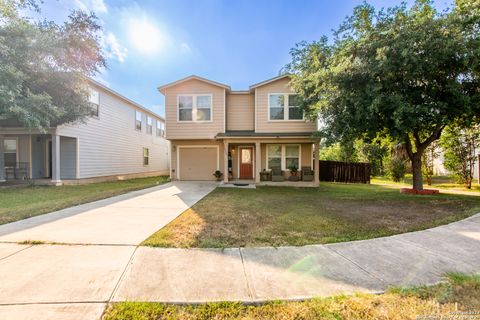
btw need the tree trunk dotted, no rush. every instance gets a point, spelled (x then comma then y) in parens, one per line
(417, 171)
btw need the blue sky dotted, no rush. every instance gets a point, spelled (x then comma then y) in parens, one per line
(150, 43)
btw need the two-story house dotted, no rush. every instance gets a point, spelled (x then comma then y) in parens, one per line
(121, 139)
(241, 133)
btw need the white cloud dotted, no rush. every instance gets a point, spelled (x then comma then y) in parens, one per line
(113, 48)
(97, 6)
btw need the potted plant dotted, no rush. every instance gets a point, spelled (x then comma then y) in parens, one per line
(218, 174)
(293, 173)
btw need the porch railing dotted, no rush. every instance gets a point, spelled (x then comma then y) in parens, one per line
(17, 171)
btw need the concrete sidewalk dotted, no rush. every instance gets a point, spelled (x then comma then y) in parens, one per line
(126, 219)
(257, 274)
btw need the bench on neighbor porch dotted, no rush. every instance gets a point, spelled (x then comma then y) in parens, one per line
(17, 171)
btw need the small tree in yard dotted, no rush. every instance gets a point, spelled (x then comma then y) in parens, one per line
(402, 73)
(43, 66)
(460, 147)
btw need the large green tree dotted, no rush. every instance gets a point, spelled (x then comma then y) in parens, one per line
(44, 66)
(399, 72)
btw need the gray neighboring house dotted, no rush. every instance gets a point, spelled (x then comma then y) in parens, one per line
(124, 140)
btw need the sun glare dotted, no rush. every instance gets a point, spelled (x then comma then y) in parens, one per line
(145, 36)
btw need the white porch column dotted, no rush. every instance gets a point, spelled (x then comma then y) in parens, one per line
(56, 159)
(2, 160)
(316, 164)
(258, 160)
(225, 161)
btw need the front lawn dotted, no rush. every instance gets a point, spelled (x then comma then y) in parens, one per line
(278, 216)
(438, 182)
(18, 203)
(451, 299)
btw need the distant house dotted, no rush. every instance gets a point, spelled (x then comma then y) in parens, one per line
(250, 135)
(122, 140)
(440, 170)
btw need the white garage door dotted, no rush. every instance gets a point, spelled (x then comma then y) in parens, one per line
(197, 163)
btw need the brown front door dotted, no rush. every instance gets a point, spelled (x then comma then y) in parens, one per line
(246, 162)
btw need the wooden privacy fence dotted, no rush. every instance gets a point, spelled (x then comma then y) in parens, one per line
(352, 172)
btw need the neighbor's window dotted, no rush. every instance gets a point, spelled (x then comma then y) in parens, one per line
(284, 107)
(294, 110)
(292, 156)
(185, 108)
(145, 156)
(276, 105)
(94, 99)
(160, 129)
(138, 120)
(10, 152)
(274, 156)
(149, 125)
(195, 108)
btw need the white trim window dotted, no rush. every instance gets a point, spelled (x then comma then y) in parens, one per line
(283, 156)
(284, 107)
(94, 99)
(149, 125)
(146, 156)
(294, 110)
(10, 152)
(138, 120)
(195, 108)
(276, 103)
(274, 156)
(160, 129)
(292, 156)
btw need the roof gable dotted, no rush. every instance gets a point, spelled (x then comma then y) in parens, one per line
(259, 84)
(192, 77)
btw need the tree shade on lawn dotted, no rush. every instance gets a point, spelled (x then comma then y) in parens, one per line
(403, 73)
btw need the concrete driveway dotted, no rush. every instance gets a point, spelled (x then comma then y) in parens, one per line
(75, 278)
(122, 220)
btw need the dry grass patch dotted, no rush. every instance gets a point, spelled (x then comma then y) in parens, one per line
(461, 292)
(273, 216)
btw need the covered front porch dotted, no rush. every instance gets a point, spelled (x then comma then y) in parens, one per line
(45, 158)
(271, 161)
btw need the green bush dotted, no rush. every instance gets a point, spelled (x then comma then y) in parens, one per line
(396, 169)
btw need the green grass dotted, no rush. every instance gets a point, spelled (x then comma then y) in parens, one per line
(277, 216)
(438, 182)
(459, 292)
(18, 203)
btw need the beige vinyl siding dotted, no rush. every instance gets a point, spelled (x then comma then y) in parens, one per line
(110, 145)
(263, 124)
(240, 111)
(194, 130)
(175, 144)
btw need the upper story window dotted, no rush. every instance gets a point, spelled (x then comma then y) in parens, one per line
(195, 108)
(94, 99)
(149, 125)
(284, 107)
(160, 129)
(138, 120)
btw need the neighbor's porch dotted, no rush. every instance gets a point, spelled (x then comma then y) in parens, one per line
(269, 162)
(43, 157)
